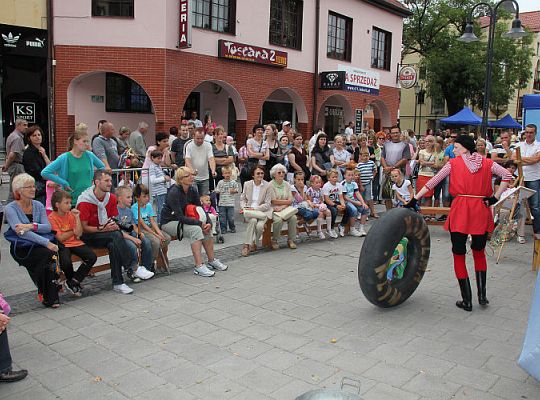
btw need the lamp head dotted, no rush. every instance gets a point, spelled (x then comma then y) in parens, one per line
(468, 36)
(516, 31)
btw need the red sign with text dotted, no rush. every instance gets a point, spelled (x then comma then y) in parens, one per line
(185, 25)
(249, 53)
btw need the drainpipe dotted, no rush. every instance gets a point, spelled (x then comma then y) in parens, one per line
(50, 79)
(316, 75)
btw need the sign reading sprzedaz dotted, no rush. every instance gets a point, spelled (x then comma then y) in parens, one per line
(249, 53)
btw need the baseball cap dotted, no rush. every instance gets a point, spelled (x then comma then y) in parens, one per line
(286, 123)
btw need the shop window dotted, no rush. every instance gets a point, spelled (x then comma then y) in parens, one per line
(125, 95)
(112, 8)
(437, 105)
(215, 15)
(275, 112)
(339, 37)
(381, 49)
(286, 23)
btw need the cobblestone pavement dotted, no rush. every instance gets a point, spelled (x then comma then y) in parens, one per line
(273, 326)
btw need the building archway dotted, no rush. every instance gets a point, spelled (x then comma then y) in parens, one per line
(334, 115)
(221, 101)
(114, 97)
(284, 104)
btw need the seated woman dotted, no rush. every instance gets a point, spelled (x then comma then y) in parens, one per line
(282, 199)
(27, 217)
(199, 234)
(255, 204)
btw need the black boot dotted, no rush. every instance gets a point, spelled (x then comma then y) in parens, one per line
(481, 285)
(466, 294)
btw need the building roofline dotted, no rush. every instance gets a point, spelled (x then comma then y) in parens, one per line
(392, 6)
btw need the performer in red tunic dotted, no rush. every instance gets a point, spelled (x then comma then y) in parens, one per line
(470, 213)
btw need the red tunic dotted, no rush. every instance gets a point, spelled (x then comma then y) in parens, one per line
(470, 215)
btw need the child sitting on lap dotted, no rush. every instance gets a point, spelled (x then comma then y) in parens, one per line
(206, 202)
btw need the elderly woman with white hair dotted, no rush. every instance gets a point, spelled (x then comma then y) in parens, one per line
(30, 237)
(282, 199)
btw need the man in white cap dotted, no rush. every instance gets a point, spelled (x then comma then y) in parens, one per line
(285, 131)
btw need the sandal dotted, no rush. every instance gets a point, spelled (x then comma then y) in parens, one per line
(245, 250)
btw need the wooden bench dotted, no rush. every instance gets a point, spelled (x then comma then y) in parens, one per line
(104, 266)
(300, 228)
(435, 211)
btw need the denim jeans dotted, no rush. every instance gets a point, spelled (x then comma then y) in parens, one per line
(146, 253)
(203, 187)
(534, 203)
(226, 217)
(334, 212)
(119, 254)
(308, 215)
(160, 200)
(354, 211)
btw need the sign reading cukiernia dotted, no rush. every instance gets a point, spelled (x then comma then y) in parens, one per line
(360, 80)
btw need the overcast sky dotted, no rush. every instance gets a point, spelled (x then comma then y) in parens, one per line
(529, 5)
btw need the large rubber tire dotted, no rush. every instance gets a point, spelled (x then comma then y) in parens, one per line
(378, 247)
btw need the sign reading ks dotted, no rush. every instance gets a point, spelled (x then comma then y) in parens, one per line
(24, 110)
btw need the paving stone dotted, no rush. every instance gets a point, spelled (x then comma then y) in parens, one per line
(392, 375)
(233, 367)
(185, 374)
(217, 387)
(383, 391)
(472, 377)
(311, 371)
(264, 380)
(319, 351)
(432, 387)
(249, 348)
(278, 359)
(166, 392)
(430, 365)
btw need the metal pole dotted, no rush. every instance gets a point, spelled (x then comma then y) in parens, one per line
(487, 83)
(415, 108)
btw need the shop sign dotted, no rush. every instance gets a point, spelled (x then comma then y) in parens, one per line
(24, 110)
(249, 53)
(332, 80)
(23, 41)
(358, 121)
(333, 111)
(361, 80)
(184, 41)
(407, 77)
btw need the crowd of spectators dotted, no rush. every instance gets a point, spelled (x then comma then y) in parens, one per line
(193, 176)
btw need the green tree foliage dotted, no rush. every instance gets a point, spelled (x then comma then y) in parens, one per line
(456, 70)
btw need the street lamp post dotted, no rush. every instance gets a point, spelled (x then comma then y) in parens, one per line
(468, 36)
(416, 92)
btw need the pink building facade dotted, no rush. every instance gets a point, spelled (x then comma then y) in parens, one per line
(249, 61)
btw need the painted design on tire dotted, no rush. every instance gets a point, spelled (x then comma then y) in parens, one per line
(377, 250)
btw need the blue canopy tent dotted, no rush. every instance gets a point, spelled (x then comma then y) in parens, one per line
(505, 122)
(464, 117)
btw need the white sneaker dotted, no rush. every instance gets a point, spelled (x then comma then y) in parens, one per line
(341, 230)
(216, 264)
(123, 288)
(521, 240)
(332, 233)
(354, 232)
(143, 273)
(321, 235)
(203, 270)
(362, 231)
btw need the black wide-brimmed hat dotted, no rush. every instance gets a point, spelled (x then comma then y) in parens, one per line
(467, 142)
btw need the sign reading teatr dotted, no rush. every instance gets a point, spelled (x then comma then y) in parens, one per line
(360, 80)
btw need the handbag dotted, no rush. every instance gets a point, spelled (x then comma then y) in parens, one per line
(20, 242)
(248, 214)
(286, 213)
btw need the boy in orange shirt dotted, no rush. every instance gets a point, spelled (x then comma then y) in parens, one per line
(67, 225)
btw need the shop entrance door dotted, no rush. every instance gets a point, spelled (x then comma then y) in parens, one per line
(333, 121)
